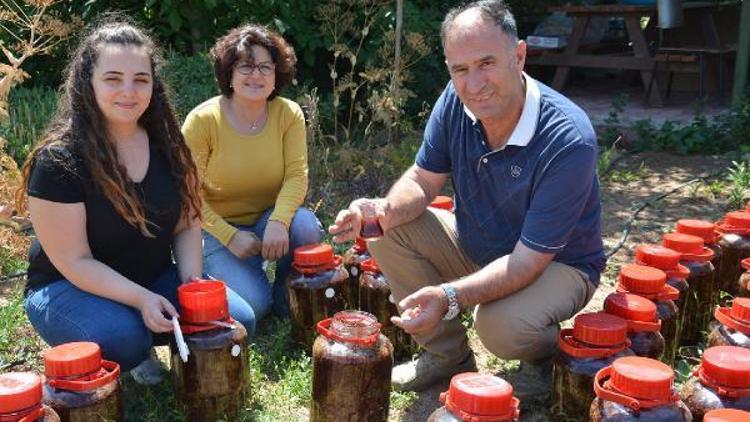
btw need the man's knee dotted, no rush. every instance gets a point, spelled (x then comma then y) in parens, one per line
(509, 336)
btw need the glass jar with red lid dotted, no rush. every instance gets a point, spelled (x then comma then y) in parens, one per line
(80, 385)
(727, 415)
(21, 399)
(743, 284)
(318, 287)
(722, 380)
(650, 283)
(443, 203)
(733, 328)
(643, 323)
(706, 230)
(699, 303)
(634, 388)
(475, 397)
(376, 298)
(595, 341)
(667, 260)
(735, 246)
(351, 259)
(352, 362)
(214, 381)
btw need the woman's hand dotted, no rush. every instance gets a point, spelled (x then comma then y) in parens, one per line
(275, 241)
(153, 307)
(244, 244)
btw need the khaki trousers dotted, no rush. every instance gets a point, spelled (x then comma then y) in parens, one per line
(523, 325)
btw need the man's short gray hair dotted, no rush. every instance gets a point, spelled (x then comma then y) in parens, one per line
(494, 10)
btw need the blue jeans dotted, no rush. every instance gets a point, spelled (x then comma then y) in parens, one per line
(61, 313)
(246, 276)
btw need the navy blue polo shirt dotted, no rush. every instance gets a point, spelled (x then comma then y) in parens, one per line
(541, 188)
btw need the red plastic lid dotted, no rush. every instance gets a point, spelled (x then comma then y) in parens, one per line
(737, 317)
(690, 247)
(72, 360)
(442, 202)
(726, 415)
(313, 255)
(657, 256)
(356, 327)
(642, 279)
(19, 391)
(706, 230)
(639, 312)
(737, 219)
(479, 397)
(203, 301)
(745, 263)
(727, 366)
(369, 265)
(642, 378)
(600, 329)
(360, 244)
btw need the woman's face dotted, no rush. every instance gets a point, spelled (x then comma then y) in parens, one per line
(122, 83)
(254, 80)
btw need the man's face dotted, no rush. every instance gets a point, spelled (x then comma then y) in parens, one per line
(484, 67)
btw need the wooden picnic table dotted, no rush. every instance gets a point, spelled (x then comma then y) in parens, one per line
(639, 57)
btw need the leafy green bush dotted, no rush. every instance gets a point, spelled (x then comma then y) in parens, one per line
(191, 80)
(30, 111)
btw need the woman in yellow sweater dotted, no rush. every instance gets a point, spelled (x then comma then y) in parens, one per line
(250, 148)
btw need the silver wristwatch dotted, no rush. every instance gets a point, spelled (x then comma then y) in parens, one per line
(453, 309)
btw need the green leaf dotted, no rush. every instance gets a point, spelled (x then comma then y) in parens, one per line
(210, 4)
(175, 20)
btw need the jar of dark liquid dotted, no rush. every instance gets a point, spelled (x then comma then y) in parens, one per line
(21, 399)
(727, 415)
(643, 324)
(735, 246)
(706, 230)
(650, 283)
(376, 298)
(667, 260)
(743, 288)
(700, 298)
(215, 380)
(637, 389)
(80, 386)
(442, 203)
(318, 287)
(733, 328)
(722, 380)
(352, 258)
(595, 341)
(478, 398)
(352, 364)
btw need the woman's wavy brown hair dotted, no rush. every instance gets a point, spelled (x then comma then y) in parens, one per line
(80, 126)
(236, 46)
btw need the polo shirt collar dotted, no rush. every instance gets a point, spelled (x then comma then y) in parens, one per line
(526, 126)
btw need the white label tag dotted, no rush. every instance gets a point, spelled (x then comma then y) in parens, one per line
(391, 299)
(330, 292)
(236, 350)
(354, 271)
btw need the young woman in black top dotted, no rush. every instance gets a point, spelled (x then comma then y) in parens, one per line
(113, 197)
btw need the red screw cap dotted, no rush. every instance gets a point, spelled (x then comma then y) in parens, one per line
(72, 360)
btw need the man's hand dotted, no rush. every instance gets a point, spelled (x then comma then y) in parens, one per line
(349, 221)
(244, 244)
(423, 310)
(275, 241)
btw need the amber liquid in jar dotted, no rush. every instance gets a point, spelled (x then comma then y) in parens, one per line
(371, 229)
(351, 382)
(648, 344)
(101, 404)
(315, 297)
(351, 260)
(743, 285)
(700, 399)
(721, 335)
(214, 382)
(670, 316)
(607, 411)
(734, 249)
(699, 301)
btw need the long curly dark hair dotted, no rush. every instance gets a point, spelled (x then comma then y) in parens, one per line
(80, 126)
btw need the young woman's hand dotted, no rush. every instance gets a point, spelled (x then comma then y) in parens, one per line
(244, 244)
(153, 307)
(275, 241)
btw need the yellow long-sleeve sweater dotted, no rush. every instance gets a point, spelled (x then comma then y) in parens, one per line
(243, 175)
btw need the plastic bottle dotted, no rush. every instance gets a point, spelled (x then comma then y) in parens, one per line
(595, 341)
(352, 364)
(637, 389)
(214, 382)
(477, 398)
(743, 288)
(700, 298)
(21, 399)
(735, 246)
(733, 328)
(376, 298)
(650, 283)
(643, 324)
(722, 380)
(667, 260)
(318, 287)
(79, 385)
(351, 260)
(707, 231)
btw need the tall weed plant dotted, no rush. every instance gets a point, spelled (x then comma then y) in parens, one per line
(30, 111)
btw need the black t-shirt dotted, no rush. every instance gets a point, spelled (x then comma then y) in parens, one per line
(60, 174)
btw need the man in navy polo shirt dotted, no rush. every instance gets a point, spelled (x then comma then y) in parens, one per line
(524, 248)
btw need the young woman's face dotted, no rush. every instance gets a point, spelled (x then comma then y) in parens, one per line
(122, 83)
(254, 80)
